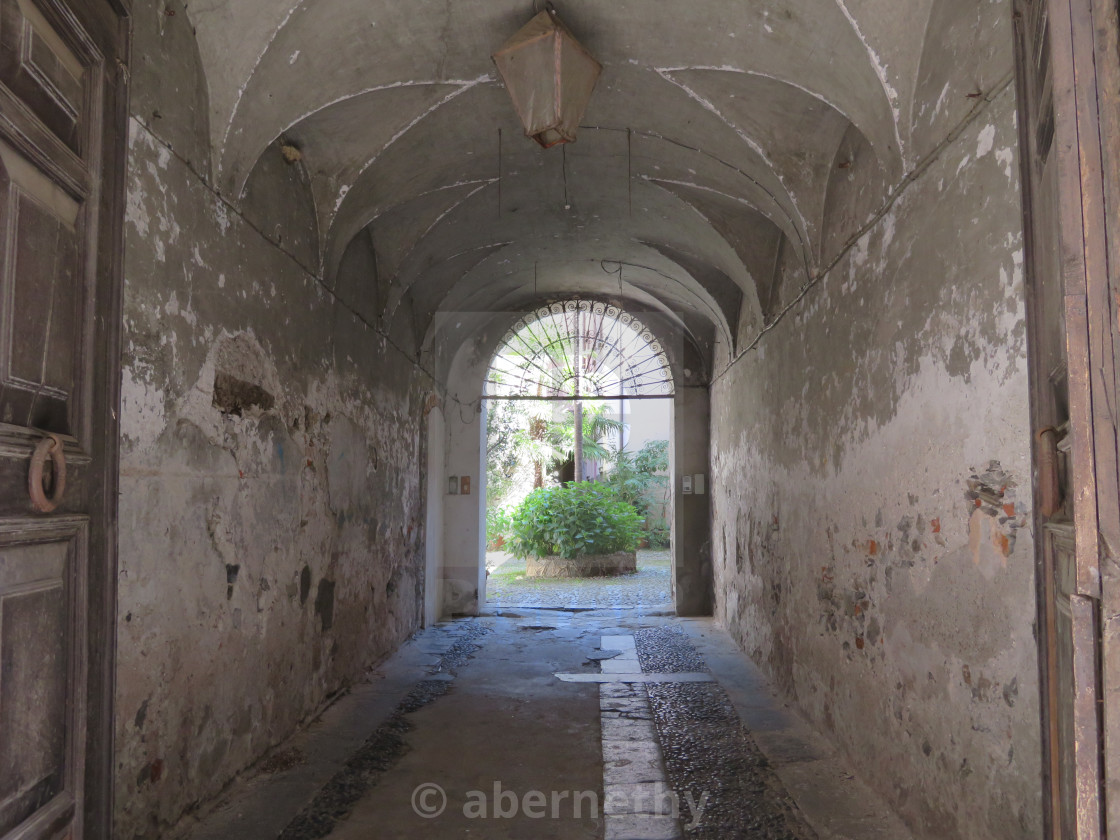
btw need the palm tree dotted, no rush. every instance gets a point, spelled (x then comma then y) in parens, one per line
(596, 426)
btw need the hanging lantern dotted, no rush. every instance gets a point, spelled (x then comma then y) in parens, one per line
(549, 76)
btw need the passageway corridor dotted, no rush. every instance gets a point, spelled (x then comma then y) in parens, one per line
(557, 724)
(268, 268)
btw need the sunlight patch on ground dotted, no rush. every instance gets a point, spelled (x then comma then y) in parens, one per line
(507, 585)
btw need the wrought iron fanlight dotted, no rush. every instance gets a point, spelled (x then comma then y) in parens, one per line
(549, 76)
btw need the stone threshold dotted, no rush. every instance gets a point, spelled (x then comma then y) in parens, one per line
(638, 801)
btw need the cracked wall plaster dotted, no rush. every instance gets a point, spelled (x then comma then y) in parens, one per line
(271, 510)
(871, 484)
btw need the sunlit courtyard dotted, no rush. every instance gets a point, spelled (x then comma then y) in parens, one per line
(507, 585)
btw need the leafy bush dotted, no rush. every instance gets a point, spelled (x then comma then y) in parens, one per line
(497, 527)
(653, 457)
(581, 518)
(636, 478)
(505, 421)
(658, 537)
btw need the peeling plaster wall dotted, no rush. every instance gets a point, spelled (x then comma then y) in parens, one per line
(272, 503)
(871, 497)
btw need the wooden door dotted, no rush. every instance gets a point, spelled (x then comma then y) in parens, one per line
(1068, 72)
(62, 124)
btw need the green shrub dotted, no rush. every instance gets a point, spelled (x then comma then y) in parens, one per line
(658, 537)
(637, 478)
(497, 527)
(581, 518)
(653, 457)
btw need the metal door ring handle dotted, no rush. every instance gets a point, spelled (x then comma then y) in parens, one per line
(51, 445)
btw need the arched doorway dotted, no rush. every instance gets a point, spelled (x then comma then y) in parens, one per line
(465, 344)
(580, 390)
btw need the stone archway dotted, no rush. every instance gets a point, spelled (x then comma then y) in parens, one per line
(579, 350)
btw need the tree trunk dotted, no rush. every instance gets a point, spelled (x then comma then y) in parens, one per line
(579, 441)
(536, 432)
(579, 405)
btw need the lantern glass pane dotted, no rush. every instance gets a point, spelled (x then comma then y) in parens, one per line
(579, 72)
(529, 72)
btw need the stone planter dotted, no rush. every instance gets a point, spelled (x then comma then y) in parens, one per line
(591, 565)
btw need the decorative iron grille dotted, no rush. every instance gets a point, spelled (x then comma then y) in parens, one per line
(579, 349)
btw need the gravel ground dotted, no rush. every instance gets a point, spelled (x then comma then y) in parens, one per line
(507, 586)
(707, 752)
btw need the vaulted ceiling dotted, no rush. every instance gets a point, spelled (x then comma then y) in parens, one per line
(715, 147)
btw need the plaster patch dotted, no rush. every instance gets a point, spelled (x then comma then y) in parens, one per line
(985, 141)
(342, 191)
(941, 99)
(1006, 157)
(221, 213)
(889, 222)
(987, 543)
(135, 212)
(143, 406)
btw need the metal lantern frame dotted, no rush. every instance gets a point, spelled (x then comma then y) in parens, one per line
(550, 77)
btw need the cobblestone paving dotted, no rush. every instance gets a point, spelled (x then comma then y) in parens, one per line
(507, 586)
(708, 753)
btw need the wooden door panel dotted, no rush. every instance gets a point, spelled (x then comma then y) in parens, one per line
(1066, 781)
(33, 656)
(1068, 77)
(62, 120)
(42, 618)
(40, 295)
(1060, 536)
(38, 66)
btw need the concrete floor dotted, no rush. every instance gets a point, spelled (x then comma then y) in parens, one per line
(491, 725)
